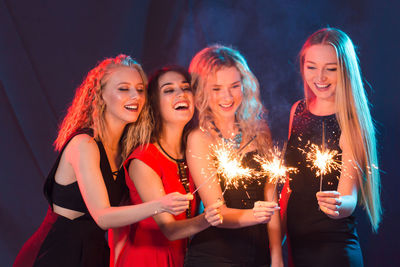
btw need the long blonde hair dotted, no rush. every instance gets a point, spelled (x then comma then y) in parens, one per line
(250, 113)
(353, 116)
(87, 108)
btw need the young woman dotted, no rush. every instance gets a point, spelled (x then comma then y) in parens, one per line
(155, 169)
(107, 118)
(227, 99)
(320, 224)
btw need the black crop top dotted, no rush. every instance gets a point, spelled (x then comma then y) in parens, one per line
(69, 196)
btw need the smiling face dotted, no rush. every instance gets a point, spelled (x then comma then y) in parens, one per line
(321, 71)
(124, 95)
(176, 98)
(225, 93)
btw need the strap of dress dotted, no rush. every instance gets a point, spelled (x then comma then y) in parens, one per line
(50, 180)
(301, 107)
(105, 167)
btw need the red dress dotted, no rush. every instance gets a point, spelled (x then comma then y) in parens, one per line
(146, 245)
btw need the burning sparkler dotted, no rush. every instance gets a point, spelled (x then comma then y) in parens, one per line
(273, 167)
(322, 160)
(227, 163)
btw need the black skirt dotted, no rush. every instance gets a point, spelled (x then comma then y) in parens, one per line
(63, 242)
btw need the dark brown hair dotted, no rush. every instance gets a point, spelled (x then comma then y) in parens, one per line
(153, 96)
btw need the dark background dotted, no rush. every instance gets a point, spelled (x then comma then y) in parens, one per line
(46, 48)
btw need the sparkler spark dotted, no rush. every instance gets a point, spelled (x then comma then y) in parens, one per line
(227, 163)
(273, 167)
(322, 160)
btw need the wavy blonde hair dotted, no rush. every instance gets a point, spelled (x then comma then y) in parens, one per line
(353, 116)
(88, 108)
(250, 113)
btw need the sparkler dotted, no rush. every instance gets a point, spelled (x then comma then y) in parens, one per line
(226, 162)
(248, 143)
(322, 160)
(274, 168)
(208, 179)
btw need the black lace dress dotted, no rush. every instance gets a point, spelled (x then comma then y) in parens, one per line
(247, 246)
(315, 239)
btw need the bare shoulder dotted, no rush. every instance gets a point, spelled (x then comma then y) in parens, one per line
(84, 145)
(198, 143)
(141, 169)
(198, 136)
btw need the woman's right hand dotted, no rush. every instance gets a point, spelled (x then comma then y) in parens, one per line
(213, 213)
(175, 203)
(263, 211)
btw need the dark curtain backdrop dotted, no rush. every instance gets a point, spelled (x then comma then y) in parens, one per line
(46, 48)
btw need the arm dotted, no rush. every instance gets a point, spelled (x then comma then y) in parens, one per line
(341, 203)
(150, 187)
(199, 165)
(84, 157)
(274, 230)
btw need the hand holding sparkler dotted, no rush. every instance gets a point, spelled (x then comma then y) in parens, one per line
(329, 202)
(174, 203)
(263, 211)
(213, 213)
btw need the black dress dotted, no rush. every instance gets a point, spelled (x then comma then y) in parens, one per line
(315, 239)
(60, 241)
(247, 246)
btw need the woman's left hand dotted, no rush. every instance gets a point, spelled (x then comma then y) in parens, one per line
(213, 213)
(329, 202)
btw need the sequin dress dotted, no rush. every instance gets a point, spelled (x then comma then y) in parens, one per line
(315, 239)
(247, 246)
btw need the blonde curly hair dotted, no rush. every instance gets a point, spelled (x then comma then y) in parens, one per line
(250, 112)
(87, 108)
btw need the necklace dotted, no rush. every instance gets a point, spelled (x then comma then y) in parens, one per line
(174, 159)
(183, 177)
(236, 140)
